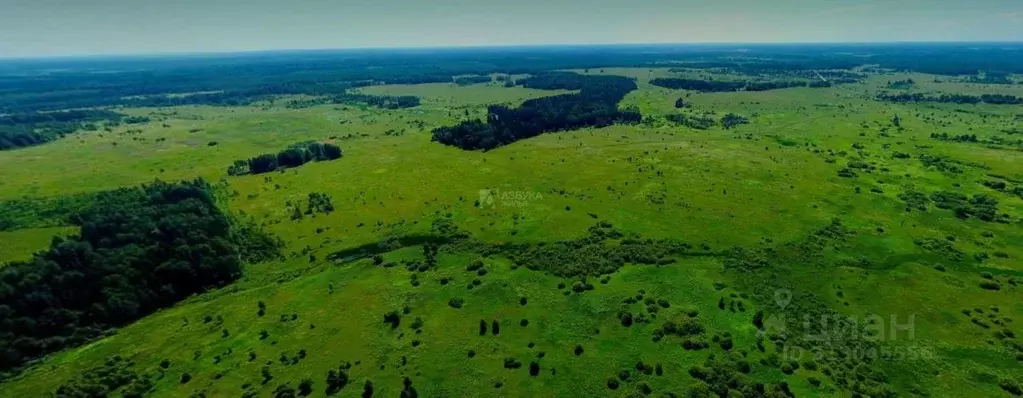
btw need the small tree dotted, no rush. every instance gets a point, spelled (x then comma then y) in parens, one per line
(305, 387)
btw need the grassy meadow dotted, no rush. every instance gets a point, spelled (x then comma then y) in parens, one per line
(760, 185)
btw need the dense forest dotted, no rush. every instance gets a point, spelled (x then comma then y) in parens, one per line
(995, 99)
(33, 128)
(237, 79)
(293, 156)
(138, 250)
(596, 105)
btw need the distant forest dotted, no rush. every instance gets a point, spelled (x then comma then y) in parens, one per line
(236, 79)
(30, 89)
(33, 128)
(715, 86)
(596, 105)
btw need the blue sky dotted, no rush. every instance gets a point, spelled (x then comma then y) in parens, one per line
(75, 27)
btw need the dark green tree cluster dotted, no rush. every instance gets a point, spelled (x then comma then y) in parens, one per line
(469, 80)
(33, 128)
(703, 86)
(596, 105)
(294, 156)
(901, 84)
(692, 121)
(319, 203)
(731, 120)
(982, 206)
(138, 250)
(994, 99)
(955, 137)
(719, 86)
(379, 101)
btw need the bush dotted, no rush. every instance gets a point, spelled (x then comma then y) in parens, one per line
(367, 389)
(284, 391)
(990, 285)
(578, 349)
(305, 387)
(495, 328)
(612, 384)
(456, 302)
(185, 378)
(512, 363)
(392, 318)
(1011, 386)
(534, 368)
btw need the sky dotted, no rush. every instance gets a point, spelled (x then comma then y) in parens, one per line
(32, 28)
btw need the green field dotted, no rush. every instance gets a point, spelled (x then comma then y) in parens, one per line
(769, 184)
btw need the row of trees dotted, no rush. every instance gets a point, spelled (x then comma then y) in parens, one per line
(138, 250)
(995, 99)
(717, 86)
(34, 128)
(468, 80)
(380, 101)
(596, 105)
(294, 156)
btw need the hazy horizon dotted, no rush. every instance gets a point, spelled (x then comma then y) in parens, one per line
(49, 28)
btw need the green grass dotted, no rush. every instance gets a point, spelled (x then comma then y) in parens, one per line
(19, 245)
(758, 185)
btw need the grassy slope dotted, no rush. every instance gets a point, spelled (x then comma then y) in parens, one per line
(724, 188)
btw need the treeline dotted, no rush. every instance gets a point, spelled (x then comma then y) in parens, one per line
(596, 105)
(719, 86)
(380, 101)
(34, 128)
(30, 85)
(294, 156)
(138, 250)
(705, 122)
(994, 99)
(468, 80)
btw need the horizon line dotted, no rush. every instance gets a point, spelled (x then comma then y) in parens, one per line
(474, 46)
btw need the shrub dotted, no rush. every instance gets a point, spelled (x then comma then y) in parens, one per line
(456, 302)
(1011, 386)
(534, 368)
(483, 327)
(612, 384)
(524, 322)
(990, 285)
(185, 378)
(284, 391)
(512, 363)
(367, 389)
(336, 380)
(305, 387)
(495, 328)
(392, 318)
(578, 349)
